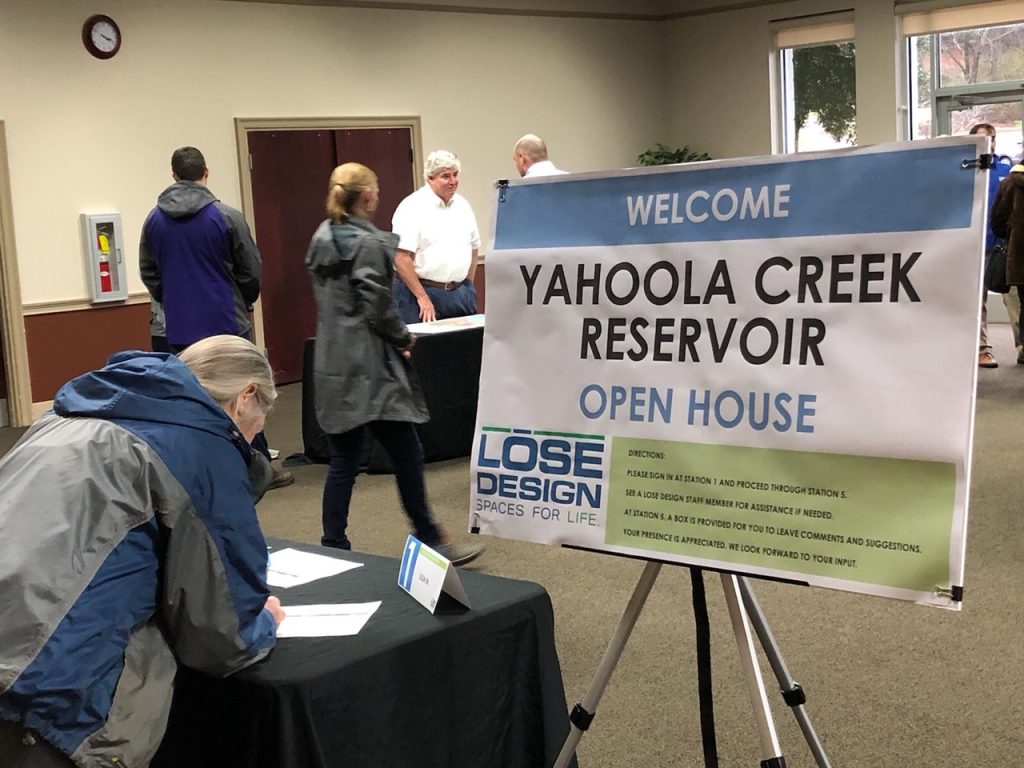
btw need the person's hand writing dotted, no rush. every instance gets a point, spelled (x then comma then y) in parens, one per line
(274, 606)
(427, 313)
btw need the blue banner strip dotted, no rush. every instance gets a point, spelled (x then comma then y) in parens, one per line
(900, 191)
(409, 555)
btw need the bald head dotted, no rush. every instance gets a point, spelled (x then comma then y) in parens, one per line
(528, 150)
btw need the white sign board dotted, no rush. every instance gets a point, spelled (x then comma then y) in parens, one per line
(765, 366)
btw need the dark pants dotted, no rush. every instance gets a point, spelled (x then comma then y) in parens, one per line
(259, 442)
(1020, 320)
(402, 444)
(457, 303)
(16, 753)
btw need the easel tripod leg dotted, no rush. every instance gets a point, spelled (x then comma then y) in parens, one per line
(752, 671)
(584, 711)
(792, 693)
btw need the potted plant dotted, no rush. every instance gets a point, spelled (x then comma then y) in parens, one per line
(659, 154)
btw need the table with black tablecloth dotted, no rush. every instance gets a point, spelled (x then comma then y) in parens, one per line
(447, 366)
(478, 688)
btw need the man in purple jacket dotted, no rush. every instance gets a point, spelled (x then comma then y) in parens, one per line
(198, 259)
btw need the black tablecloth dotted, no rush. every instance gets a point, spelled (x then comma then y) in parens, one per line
(448, 368)
(458, 689)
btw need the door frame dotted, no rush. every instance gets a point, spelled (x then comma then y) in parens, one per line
(12, 319)
(245, 124)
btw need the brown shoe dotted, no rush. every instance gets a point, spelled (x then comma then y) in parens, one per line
(281, 479)
(985, 360)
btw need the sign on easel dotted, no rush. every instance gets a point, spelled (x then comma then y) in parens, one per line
(426, 575)
(764, 366)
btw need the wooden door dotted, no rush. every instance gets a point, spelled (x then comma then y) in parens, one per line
(388, 151)
(289, 171)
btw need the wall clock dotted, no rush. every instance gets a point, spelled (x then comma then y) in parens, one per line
(101, 36)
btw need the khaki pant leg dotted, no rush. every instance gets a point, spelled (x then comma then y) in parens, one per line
(1011, 301)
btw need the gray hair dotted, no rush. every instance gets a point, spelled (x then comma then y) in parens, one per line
(225, 365)
(438, 160)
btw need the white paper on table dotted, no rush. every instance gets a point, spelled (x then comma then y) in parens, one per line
(325, 620)
(291, 567)
(448, 324)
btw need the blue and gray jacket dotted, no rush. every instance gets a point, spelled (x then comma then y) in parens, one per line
(198, 259)
(128, 540)
(1000, 170)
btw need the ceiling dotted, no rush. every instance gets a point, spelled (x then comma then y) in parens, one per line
(616, 9)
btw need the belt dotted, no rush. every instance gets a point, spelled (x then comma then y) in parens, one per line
(449, 286)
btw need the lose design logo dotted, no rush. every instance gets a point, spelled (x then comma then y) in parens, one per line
(520, 472)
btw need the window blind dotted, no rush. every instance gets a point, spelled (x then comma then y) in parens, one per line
(929, 17)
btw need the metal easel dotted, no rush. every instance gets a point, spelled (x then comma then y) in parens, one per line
(744, 611)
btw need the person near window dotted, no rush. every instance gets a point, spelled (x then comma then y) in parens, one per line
(998, 172)
(1007, 222)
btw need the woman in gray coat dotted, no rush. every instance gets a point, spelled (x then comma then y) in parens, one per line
(361, 368)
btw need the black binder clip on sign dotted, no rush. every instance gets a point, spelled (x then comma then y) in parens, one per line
(983, 163)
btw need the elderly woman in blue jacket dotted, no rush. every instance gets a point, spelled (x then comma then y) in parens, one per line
(129, 543)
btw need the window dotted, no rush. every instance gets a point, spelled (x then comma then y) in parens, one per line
(817, 67)
(960, 75)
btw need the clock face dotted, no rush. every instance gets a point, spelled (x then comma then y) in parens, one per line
(101, 36)
(104, 36)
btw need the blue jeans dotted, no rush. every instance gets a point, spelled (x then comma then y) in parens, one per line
(402, 444)
(457, 303)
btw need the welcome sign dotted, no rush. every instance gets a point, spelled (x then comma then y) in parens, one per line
(766, 367)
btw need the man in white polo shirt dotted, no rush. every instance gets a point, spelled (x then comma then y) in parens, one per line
(438, 242)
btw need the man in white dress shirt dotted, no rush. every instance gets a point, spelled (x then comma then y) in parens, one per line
(530, 156)
(438, 241)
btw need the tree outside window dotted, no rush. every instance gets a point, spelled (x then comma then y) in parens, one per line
(984, 55)
(820, 87)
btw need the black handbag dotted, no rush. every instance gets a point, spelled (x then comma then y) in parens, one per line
(995, 269)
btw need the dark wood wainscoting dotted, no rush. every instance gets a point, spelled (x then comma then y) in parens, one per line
(62, 345)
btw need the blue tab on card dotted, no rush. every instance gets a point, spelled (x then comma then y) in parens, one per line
(409, 555)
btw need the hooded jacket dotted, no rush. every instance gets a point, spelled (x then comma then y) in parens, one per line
(198, 259)
(1007, 221)
(359, 373)
(1000, 168)
(128, 539)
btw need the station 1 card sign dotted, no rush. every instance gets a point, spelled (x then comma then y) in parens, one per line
(425, 575)
(766, 366)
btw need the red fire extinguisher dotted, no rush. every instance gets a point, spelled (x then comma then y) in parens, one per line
(106, 284)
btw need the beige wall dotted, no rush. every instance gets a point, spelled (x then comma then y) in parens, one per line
(721, 81)
(93, 136)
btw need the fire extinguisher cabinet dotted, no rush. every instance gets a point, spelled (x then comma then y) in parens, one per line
(104, 257)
